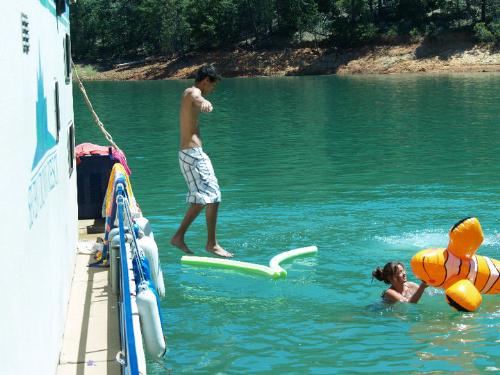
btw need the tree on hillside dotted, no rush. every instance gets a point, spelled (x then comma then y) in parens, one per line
(256, 18)
(175, 29)
(295, 16)
(213, 23)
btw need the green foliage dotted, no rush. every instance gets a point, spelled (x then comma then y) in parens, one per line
(84, 24)
(432, 30)
(256, 19)
(296, 16)
(495, 29)
(175, 30)
(482, 33)
(86, 71)
(412, 11)
(391, 34)
(213, 23)
(127, 29)
(415, 35)
(366, 33)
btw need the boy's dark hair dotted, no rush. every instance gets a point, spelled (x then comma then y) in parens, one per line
(207, 71)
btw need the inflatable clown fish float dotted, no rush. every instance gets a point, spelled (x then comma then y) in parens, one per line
(457, 269)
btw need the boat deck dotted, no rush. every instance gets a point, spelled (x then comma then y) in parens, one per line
(92, 337)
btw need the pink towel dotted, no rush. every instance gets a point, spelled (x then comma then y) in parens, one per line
(85, 149)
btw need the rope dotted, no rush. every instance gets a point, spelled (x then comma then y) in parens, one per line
(135, 249)
(91, 108)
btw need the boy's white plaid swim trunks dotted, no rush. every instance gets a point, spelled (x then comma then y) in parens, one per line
(200, 177)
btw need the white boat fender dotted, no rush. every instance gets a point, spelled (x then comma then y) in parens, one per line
(161, 284)
(144, 225)
(115, 241)
(113, 232)
(149, 315)
(150, 249)
(111, 238)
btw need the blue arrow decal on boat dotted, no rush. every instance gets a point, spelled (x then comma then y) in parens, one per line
(44, 140)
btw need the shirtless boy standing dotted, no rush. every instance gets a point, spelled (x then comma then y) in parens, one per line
(195, 164)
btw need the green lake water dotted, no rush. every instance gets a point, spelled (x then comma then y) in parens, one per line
(368, 168)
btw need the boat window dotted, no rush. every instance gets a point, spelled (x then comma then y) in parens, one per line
(57, 110)
(60, 7)
(71, 147)
(67, 58)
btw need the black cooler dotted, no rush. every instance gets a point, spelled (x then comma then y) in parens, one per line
(92, 175)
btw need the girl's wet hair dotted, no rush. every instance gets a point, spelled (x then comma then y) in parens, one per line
(385, 274)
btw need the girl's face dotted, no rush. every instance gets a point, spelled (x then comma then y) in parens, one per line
(399, 275)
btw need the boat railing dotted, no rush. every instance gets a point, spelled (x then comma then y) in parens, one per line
(132, 355)
(136, 276)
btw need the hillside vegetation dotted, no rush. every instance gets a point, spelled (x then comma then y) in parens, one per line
(120, 30)
(157, 39)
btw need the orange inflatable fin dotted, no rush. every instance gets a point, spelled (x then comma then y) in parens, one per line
(465, 238)
(463, 296)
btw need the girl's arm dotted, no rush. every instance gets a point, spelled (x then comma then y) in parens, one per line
(418, 293)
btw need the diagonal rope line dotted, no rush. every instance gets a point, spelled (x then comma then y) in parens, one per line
(91, 108)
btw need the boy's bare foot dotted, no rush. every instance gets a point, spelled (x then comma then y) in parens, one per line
(177, 242)
(219, 250)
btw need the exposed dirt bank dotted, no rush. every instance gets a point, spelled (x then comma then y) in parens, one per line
(450, 56)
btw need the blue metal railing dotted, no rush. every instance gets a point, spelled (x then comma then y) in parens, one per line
(126, 327)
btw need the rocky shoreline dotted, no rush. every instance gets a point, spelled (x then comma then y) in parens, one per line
(450, 56)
